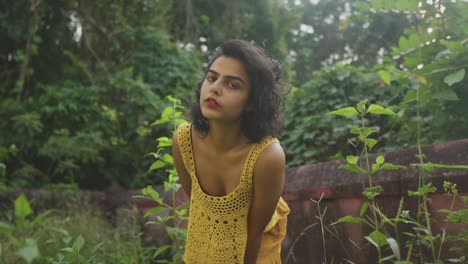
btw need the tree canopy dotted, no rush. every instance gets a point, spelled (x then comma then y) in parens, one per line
(82, 81)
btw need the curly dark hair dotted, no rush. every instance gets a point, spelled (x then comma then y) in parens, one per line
(267, 91)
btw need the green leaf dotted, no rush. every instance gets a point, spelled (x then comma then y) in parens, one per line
(364, 207)
(157, 165)
(40, 217)
(380, 159)
(164, 142)
(371, 143)
(179, 121)
(412, 60)
(362, 6)
(149, 191)
(377, 238)
(96, 247)
(160, 121)
(367, 131)
(404, 44)
(446, 211)
(167, 113)
(78, 244)
(67, 249)
(414, 40)
(167, 159)
(6, 227)
(424, 190)
(377, 4)
(347, 111)
(22, 207)
(390, 166)
(409, 97)
(380, 110)
(161, 250)
(352, 159)
(395, 247)
(352, 167)
(454, 77)
(454, 46)
(406, 5)
(181, 212)
(386, 76)
(361, 106)
(30, 251)
(355, 131)
(375, 168)
(446, 95)
(154, 211)
(167, 186)
(431, 166)
(372, 192)
(350, 219)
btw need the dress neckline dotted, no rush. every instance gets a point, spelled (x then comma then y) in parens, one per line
(194, 171)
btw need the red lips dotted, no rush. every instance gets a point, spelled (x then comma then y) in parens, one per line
(211, 102)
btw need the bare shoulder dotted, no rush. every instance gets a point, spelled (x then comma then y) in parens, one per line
(175, 145)
(174, 140)
(270, 164)
(271, 153)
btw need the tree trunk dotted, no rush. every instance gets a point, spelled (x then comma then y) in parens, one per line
(32, 27)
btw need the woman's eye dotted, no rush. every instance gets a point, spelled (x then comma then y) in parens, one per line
(233, 85)
(210, 79)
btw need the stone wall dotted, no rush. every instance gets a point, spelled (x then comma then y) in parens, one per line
(340, 192)
(341, 195)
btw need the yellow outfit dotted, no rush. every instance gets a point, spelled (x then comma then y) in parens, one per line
(217, 227)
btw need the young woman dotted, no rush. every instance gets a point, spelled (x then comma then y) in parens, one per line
(230, 164)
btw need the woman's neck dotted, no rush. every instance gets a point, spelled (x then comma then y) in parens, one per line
(226, 136)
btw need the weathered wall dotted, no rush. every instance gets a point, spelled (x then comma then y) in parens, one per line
(342, 195)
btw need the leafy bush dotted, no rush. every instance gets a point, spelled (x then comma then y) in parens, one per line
(312, 135)
(173, 223)
(96, 133)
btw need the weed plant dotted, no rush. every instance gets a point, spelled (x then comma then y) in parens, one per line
(76, 235)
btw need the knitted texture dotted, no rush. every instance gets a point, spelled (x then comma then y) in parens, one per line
(217, 227)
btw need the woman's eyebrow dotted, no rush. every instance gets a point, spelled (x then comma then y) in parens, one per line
(228, 76)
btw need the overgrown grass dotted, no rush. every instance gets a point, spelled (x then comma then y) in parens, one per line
(76, 235)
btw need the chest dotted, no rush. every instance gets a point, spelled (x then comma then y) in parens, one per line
(219, 173)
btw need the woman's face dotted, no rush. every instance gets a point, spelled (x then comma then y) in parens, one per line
(225, 90)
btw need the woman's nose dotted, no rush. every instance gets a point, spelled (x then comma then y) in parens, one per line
(215, 88)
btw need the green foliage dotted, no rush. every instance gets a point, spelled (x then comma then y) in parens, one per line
(95, 74)
(84, 118)
(423, 236)
(423, 58)
(173, 222)
(308, 136)
(78, 86)
(74, 236)
(158, 57)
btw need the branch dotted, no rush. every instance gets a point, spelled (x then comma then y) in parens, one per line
(23, 71)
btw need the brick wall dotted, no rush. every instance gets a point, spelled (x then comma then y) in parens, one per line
(341, 193)
(342, 196)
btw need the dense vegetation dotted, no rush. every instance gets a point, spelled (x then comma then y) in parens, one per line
(81, 82)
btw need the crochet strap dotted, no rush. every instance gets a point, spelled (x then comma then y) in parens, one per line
(256, 151)
(185, 146)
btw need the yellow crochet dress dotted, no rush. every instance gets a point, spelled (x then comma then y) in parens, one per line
(217, 227)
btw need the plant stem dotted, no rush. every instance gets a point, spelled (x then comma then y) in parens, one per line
(421, 180)
(369, 176)
(428, 225)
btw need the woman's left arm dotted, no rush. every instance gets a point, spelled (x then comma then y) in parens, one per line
(268, 183)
